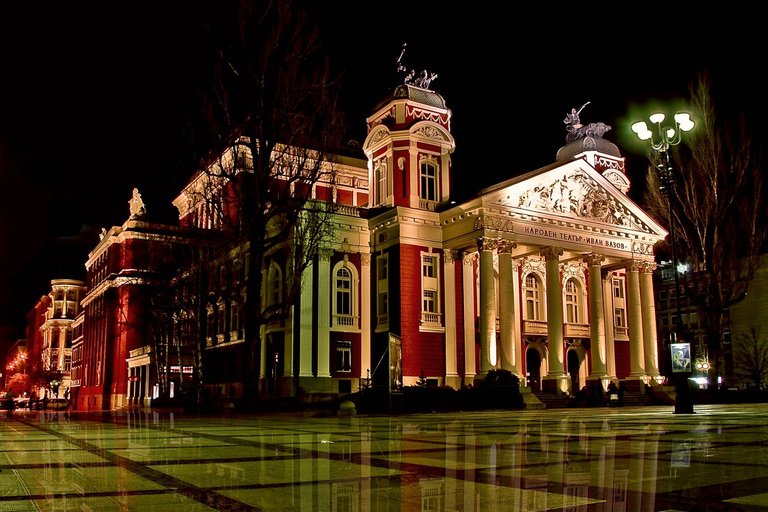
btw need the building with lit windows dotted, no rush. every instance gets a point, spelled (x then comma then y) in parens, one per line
(547, 274)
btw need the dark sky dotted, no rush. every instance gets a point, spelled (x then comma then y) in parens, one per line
(93, 97)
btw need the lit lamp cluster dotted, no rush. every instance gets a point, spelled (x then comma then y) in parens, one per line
(665, 137)
(19, 361)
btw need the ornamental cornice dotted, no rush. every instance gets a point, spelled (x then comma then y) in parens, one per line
(533, 264)
(572, 269)
(494, 223)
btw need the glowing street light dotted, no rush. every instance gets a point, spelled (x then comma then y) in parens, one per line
(661, 137)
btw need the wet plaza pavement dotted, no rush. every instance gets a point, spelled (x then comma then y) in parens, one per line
(602, 459)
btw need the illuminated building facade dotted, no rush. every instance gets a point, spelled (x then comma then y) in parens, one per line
(547, 274)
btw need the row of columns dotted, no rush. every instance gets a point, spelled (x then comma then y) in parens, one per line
(303, 341)
(640, 304)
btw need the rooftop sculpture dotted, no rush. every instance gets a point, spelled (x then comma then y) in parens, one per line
(577, 131)
(422, 80)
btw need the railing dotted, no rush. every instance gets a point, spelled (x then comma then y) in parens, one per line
(620, 332)
(347, 321)
(429, 318)
(576, 330)
(344, 209)
(534, 327)
(382, 320)
(426, 204)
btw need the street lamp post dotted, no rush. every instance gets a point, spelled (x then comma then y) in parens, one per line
(665, 137)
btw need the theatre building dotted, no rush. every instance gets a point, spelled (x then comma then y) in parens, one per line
(547, 274)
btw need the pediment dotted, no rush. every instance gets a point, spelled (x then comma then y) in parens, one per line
(574, 191)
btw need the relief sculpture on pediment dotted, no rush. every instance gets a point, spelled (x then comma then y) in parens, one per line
(577, 195)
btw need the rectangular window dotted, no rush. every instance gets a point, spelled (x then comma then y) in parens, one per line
(344, 356)
(429, 181)
(618, 288)
(430, 305)
(620, 319)
(382, 279)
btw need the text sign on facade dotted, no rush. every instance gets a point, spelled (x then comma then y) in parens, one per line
(564, 236)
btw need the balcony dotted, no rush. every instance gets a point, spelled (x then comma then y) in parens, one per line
(382, 321)
(620, 332)
(534, 327)
(429, 319)
(576, 330)
(345, 321)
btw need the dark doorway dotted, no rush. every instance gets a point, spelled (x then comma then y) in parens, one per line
(573, 370)
(533, 367)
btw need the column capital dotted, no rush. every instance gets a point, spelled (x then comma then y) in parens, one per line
(647, 267)
(487, 243)
(365, 259)
(450, 255)
(634, 265)
(507, 246)
(551, 253)
(594, 259)
(325, 254)
(469, 258)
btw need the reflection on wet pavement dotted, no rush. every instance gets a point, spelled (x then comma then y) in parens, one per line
(630, 459)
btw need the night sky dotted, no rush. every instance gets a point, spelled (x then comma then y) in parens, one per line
(93, 98)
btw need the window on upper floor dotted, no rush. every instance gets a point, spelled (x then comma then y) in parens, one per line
(532, 295)
(430, 303)
(572, 302)
(380, 175)
(618, 288)
(619, 318)
(345, 296)
(274, 285)
(428, 174)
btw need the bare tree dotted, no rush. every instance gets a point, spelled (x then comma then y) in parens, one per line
(719, 213)
(268, 119)
(750, 356)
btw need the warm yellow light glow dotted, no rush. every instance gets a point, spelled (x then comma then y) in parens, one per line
(639, 127)
(657, 118)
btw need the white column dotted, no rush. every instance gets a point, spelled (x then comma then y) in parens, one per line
(610, 349)
(449, 285)
(507, 314)
(288, 344)
(487, 306)
(365, 315)
(305, 322)
(556, 371)
(596, 319)
(635, 321)
(468, 299)
(650, 344)
(517, 315)
(324, 314)
(263, 327)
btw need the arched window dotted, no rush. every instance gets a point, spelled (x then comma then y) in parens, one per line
(428, 174)
(572, 306)
(274, 285)
(532, 298)
(344, 295)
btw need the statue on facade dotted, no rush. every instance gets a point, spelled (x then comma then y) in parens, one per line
(577, 131)
(136, 205)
